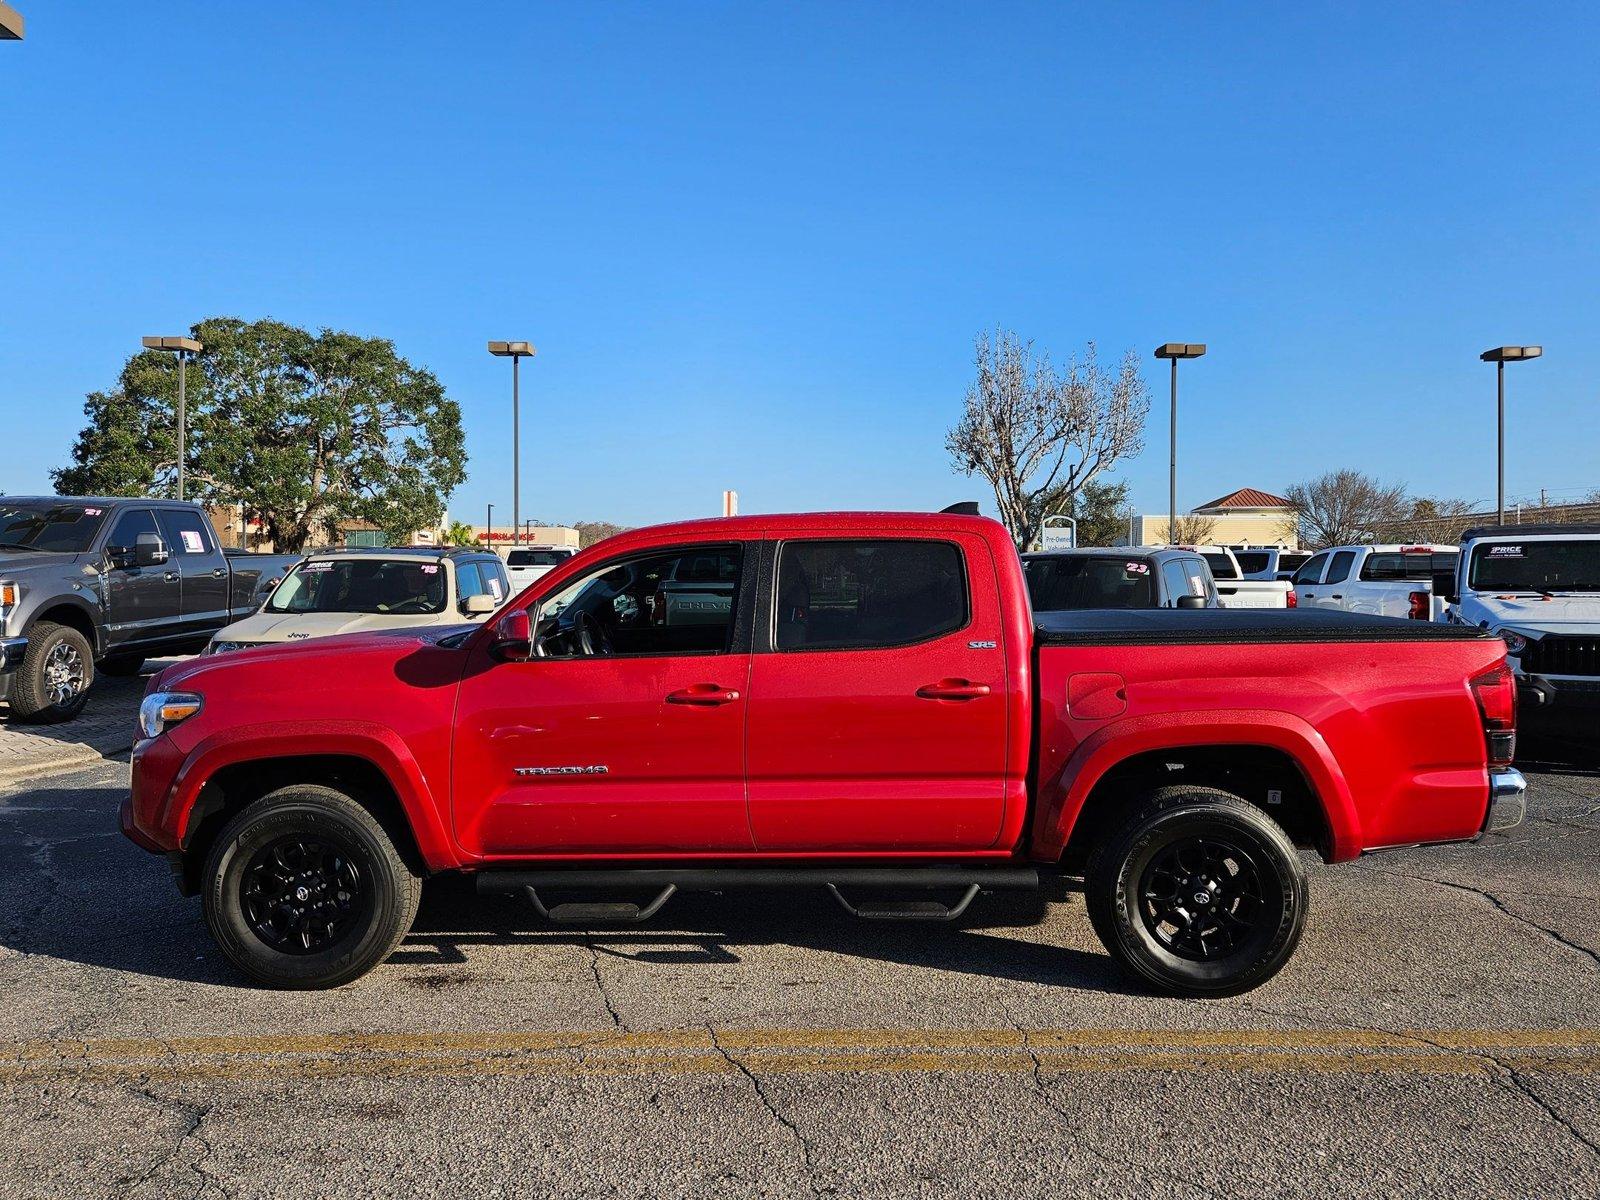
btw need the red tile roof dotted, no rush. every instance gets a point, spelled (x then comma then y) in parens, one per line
(1247, 498)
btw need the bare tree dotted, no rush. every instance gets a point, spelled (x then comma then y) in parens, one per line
(1192, 529)
(1039, 436)
(1427, 519)
(1344, 507)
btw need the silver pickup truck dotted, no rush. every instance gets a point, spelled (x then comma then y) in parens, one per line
(92, 583)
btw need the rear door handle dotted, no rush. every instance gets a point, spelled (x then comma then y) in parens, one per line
(1336, 596)
(953, 689)
(707, 694)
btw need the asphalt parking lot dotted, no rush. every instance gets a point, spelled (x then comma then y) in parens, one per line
(1438, 1032)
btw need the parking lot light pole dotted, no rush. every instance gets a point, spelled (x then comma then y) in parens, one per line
(1500, 356)
(1173, 351)
(185, 348)
(516, 352)
(488, 528)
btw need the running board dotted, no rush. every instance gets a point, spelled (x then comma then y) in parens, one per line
(603, 912)
(716, 879)
(906, 910)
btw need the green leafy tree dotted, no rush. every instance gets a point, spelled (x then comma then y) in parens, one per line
(460, 534)
(590, 532)
(1101, 510)
(304, 429)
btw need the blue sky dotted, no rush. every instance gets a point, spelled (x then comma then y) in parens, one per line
(753, 243)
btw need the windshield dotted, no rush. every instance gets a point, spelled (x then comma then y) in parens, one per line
(536, 558)
(51, 525)
(1536, 567)
(1061, 584)
(397, 587)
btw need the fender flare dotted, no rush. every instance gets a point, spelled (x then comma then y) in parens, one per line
(377, 745)
(76, 602)
(1062, 800)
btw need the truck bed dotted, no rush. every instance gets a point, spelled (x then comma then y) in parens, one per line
(1177, 626)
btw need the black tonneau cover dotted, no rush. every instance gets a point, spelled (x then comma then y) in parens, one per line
(1188, 626)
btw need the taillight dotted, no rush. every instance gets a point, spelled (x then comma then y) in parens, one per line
(1291, 600)
(1421, 604)
(1495, 690)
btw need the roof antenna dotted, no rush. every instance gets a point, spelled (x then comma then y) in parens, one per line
(963, 508)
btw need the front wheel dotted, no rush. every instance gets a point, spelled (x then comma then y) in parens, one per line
(52, 683)
(1200, 893)
(305, 889)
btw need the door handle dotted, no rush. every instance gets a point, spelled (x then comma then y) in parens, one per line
(706, 694)
(171, 577)
(218, 572)
(953, 689)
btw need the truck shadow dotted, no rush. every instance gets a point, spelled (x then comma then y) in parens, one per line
(72, 888)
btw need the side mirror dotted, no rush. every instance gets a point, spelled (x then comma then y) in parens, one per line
(513, 637)
(1444, 586)
(478, 606)
(149, 550)
(1191, 601)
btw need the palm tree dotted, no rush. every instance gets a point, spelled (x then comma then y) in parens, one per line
(460, 534)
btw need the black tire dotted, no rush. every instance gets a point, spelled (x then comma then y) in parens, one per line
(122, 666)
(1143, 887)
(56, 653)
(344, 852)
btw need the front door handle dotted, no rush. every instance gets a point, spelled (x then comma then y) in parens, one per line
(953, 689)
(218, 572)
(707, 694)
(171, 577)
(1336, 596)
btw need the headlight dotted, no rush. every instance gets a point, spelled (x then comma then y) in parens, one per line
(159, 711)
(225, 647)
(1515, 642)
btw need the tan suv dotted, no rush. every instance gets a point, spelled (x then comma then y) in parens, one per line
(353, 591)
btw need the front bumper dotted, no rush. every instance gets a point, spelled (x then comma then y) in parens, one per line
(11, 651)
(1567, 709)
(1508, 800)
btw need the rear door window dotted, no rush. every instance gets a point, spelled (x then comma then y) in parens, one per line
(1339, 568)
(857, 595)
(185, 532)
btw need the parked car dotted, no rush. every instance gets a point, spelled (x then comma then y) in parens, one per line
(1385, 581)
(345, 591)
(1538, 588)
(524, 564)
(877, 715)
(1268, 562)
(1140, 577)
(100, 584)
(1235, 590)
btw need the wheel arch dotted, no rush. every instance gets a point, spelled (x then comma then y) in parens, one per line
(72, 613)
(1251, 754)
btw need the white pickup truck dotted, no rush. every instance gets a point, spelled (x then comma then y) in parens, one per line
(1269, 562)
(1538, 587)
(1382, 581)
(1234, 589)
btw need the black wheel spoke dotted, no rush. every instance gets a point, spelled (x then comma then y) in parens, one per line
(1202, 896)
(302, 895)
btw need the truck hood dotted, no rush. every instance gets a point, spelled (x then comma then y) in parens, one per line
(20, 562)
(1535, 614)
(345, 657)
(267, 627)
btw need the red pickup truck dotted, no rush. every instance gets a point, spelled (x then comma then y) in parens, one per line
(863, 703)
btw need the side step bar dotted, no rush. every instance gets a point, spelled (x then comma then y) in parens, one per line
(670, 880)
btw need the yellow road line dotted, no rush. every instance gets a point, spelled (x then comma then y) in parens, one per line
(799, 1051)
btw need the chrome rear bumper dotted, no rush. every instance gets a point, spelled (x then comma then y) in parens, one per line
(1508, 799)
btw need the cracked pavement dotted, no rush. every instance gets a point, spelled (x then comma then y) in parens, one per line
(1437, 1033)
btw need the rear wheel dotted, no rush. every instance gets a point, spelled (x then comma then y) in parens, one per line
(305, 889)
(1200, 893)
(121, 666)
(52, 684)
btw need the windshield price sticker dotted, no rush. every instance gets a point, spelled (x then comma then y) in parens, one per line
(308, 568)
(1136, 568)
(430, 568)
(1505, 552)
(93, 512)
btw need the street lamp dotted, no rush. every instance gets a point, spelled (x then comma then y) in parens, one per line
(185, 348)
(1500, 356)
(516, 352)
(1174, 351)
(488, 528)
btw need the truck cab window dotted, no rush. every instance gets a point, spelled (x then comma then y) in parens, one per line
(184, 532)
(125, 533)
(681, 602)
(859, 595)
(1339, 568)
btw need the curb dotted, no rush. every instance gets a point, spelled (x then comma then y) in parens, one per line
(78, 756)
